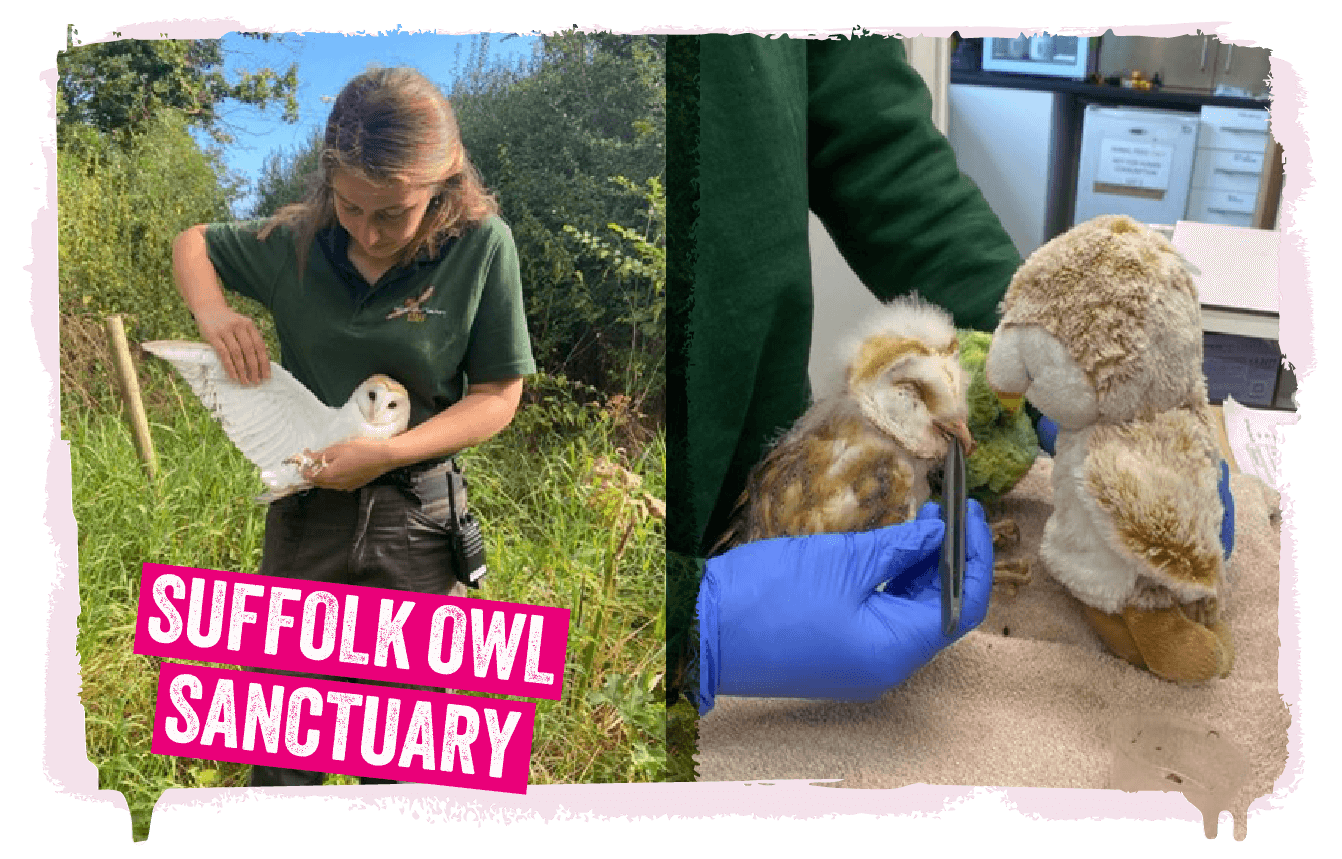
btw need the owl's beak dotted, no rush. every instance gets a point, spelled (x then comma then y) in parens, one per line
(960, 430)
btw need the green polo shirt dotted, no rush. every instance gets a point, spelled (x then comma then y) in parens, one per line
(435, 325)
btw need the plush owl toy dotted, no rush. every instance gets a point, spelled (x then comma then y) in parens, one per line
(1101, 331)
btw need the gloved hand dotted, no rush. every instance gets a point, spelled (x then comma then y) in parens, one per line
(1228, 506)
(1047, 431)
(800, 617)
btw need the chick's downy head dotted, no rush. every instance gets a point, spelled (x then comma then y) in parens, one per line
(905, 374)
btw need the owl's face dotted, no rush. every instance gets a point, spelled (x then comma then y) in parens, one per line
(920, 399)
(907, 380)
(384, 404)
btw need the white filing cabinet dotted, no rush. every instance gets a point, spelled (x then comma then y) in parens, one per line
(1136, 162)
(1229, 166)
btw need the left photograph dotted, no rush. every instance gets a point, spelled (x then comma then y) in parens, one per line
(373, 311)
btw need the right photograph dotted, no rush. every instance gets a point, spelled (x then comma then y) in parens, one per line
(974, 379)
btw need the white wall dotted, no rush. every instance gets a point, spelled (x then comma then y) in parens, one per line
(841, 303)
(1001, 139)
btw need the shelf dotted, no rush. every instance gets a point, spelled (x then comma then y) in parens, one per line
(1225, 320)
(1159, 98)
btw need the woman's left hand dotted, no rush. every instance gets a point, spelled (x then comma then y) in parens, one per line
(800, 617)
(348, 465)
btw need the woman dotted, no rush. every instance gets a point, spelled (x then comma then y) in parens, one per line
(397, 263)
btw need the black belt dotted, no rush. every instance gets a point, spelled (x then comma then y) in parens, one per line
(404, 476)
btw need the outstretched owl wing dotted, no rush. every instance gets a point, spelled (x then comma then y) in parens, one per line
(268, 422)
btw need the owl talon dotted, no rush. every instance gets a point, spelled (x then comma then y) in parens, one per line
(1015, 573)
(306, 465)
(1005, 533)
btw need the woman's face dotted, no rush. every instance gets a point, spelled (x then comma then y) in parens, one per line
(381, 219)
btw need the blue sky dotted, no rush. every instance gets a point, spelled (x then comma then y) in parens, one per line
(325, 62)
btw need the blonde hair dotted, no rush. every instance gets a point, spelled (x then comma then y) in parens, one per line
(393, 125)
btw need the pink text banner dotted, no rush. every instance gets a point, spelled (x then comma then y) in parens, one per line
(376, 634)
(331, 726)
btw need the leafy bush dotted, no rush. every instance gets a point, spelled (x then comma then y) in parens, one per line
(574, 144)
(285, 176)
(632, 292)
(119, 207)
(123, 86)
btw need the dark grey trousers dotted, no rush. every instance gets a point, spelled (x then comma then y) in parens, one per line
(377, 536)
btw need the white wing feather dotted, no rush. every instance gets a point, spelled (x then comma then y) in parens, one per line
(268, 422)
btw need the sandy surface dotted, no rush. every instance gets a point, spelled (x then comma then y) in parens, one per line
(1032, 698)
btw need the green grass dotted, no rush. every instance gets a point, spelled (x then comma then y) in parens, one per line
(554, 537)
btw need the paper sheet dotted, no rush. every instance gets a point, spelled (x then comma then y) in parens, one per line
(1254, 440)
(1237, 266)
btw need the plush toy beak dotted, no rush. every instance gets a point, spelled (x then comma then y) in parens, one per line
(960, 430)
(1011, 402)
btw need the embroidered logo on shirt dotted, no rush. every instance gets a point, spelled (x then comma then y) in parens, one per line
(412, 308)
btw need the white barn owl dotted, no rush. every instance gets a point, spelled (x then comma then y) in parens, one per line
(858, 459)
(274, 422)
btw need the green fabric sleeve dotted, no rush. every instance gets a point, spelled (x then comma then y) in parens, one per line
(886, 186)
(245, 264)
(500, 347)
(749, 314)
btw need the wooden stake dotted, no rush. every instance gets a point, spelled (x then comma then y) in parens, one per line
(129, 384)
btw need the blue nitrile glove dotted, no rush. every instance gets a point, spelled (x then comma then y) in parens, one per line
(1228, 505)
(800, 617)
(1047, 431)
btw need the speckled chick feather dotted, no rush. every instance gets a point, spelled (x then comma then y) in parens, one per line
(859, 458)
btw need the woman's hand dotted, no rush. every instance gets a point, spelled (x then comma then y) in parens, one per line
(801, 617)
(234, 337)
(348, 465)
(238, 343)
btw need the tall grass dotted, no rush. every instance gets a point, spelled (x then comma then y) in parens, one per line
(569, 498)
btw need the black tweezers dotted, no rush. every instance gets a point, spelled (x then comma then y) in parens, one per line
(955, 513)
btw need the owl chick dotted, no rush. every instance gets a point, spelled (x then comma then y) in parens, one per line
(273, 423)
(859, 458)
